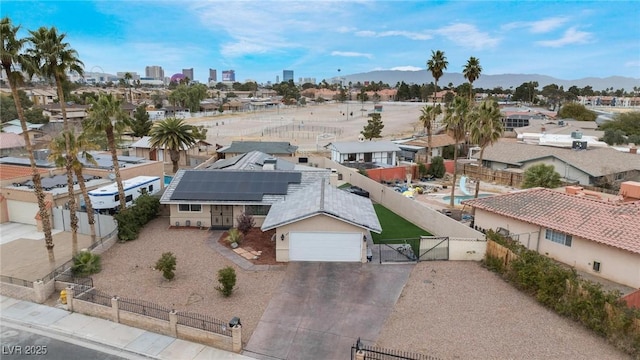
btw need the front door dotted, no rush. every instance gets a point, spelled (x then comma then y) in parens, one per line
(221, 216)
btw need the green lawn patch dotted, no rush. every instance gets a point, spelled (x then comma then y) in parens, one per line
(394, 226)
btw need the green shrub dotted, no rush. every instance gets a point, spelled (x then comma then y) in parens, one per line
(86, 263)
(437, 168)
(167, 264)
(234, 236)
(227, 280)
(131, 220)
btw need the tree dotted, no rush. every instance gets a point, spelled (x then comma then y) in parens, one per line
(436, 168)
(167, 264)
(614, 137)
(374, 127)
(127, 79)
(141, 124)
(79, 145)
(472, 72)
(52, 58)
(628, 122)
(485, 128)
(455, 123)
(437, 65)
(10, 55)
(577, 111)
(541, 175)
(427, 118)
(553, 93)
(227, 280)
(174, 135)
(106, 116)
(86, 263)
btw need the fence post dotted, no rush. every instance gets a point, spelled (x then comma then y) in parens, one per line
(115, 312)
(360, 355)
(236, 338)
(70, 295)
(173, 323)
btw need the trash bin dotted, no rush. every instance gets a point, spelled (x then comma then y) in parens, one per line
(234, 321)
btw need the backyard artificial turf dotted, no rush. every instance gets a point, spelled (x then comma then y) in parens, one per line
(394, 226)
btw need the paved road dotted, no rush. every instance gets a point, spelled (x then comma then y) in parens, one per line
(20, 342)
(321, 309)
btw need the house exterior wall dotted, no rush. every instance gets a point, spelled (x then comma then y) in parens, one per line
(204, 216)
(151, 168)
(318, 223)
(383, 157)
(565, 170)
(616, 264)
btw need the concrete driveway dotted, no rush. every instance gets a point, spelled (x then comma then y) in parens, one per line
(322, 309)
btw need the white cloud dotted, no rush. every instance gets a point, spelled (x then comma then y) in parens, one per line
(467, 35)
(571, 36)
(351, 54)
(407, 34)
(538, 27)
(635, 63)
(406, 68)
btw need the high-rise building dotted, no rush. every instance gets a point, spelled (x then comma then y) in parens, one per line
(122, 74)
(310, 80)
(213, 75)
(154, 71)
(287, 75)
(229, 75)
(188, 73)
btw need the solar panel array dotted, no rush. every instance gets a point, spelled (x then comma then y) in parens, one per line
(233, 185)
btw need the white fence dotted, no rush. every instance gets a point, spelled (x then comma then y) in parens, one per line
(104, 224)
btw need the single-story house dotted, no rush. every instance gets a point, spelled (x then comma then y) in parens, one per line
(11, 143)
(142, 148)
(75, 112)
(322, 223)
(382, 152)
(256, 160)
(416, 149)
(595, 167)
(33, 130)
(273, 148)
(576, 228)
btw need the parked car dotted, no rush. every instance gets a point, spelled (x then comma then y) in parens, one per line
(358, 191)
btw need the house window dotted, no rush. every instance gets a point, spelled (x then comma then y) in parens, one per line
(619, 176)
(259, 210)
(596, 266)
(558, 237)
(190, 208)
(351, 157)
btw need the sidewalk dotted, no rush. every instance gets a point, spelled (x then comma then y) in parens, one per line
(122, 340)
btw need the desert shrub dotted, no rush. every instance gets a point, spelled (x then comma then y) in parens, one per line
(167, 264)
(227, 280)
(437, 168)
(245, 223)
(422, 169)
(234, 236)
(131, 220)
(86, 263)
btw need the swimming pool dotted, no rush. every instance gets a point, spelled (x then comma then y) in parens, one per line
(167, 180)
(458, 198)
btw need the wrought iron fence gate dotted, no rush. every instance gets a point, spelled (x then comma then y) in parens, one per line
(434, 248)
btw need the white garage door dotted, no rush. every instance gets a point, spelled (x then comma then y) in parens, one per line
(318, 246)
(22, 212)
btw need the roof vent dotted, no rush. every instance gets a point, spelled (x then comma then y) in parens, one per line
(576, 135)
(269, 163)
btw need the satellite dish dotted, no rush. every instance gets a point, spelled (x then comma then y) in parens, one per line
(360, 138)
(112, 176)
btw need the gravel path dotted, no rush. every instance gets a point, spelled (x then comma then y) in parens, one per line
(127, 272)
(459, 310)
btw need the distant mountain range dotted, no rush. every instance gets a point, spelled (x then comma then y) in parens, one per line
(505, 81)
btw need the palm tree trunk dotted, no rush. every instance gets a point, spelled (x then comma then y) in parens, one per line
(87, 202)
(116, 169)
(479, 174)
(175, 159)
(455, 165)
(37, 180)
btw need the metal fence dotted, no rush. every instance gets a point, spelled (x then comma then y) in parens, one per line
(203, 322)
(397, 250)
(68, 277)
(375, 353)
(15, 281)
(93, 295)
(144, 308)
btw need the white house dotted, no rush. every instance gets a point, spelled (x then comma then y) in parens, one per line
(381, 152)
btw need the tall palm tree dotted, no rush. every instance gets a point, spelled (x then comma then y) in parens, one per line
(437, 65)
(485, 129)
(127, 78)
(427, 117)
(472, 72)
(174, 135)
(106, 116)
(455, 122)
(79, 145)
(10, 56)
(52, 58)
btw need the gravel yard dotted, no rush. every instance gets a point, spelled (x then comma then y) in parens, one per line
(128, 272)
(459, 310)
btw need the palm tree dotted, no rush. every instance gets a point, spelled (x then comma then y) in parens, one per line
(11, 55)
(172, 134)
(106, 116)
(472, 72)
(79, 144)
(437, 65)
(455, 124)
(485, 128)
(127, 78)
(52, 58)
(427, 117)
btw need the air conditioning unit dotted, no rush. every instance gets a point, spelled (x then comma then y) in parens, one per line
(579, 145)
(177, 223)
(187, 223)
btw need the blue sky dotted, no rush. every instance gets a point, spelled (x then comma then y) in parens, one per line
(259, 39)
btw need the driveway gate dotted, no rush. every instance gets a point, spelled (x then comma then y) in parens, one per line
(434, 248)
(397, 250)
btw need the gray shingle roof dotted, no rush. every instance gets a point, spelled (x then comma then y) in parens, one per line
(320, 198)
(595, 162)
(254, 160)
(269, 147)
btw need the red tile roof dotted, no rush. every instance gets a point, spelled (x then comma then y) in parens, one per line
(8, 172)
(613, 224)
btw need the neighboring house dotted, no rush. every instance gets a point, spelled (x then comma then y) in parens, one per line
(532, 132)
(596, 167)
(516, 117)
(273, 148)
(416, 149)
(11, 144)
(75, 112)
(14, 127)
(142, 148)
(380, 153)
(41, 97)
(595, 236)
(322, 223)
(255, 160)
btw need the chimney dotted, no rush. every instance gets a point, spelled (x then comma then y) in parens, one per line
(630, 191)
(573, 190)
(269, 163)
(633, 150)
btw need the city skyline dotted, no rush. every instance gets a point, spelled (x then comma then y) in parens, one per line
(325, 39)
